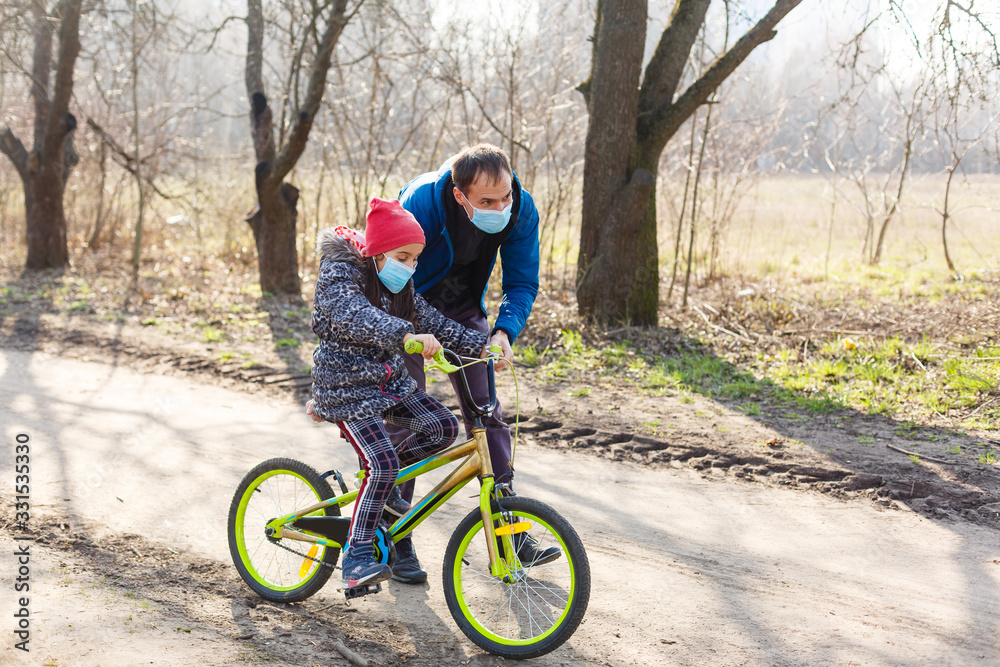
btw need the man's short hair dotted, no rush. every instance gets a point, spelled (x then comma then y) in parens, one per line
(485, 159)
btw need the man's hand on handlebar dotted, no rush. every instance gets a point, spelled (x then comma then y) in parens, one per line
(500, 338)
(431, 344)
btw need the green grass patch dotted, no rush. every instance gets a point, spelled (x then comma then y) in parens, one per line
(913, 380)
(211, 335)
(990, 458)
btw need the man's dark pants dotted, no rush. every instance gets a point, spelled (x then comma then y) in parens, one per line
(497, 432)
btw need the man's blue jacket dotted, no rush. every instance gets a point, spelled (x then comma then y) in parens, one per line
(425, 197)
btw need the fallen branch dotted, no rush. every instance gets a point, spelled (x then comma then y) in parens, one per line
(921, 456)
(850, 332)
(973, 413)
(350, 655)
(722, 329)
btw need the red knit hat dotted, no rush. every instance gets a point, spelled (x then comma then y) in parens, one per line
(390, 226)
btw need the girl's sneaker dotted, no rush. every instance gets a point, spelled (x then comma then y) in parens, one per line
(362, 569)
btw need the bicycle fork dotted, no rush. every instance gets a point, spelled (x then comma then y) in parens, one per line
(502, 567)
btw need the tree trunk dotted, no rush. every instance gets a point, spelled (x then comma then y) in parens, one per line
(618, 268)
(631, 119)
(945, 215)
(45, 217)
(684, 200)
(274, 231)
(694, 207)
(95, 236)
(907, 153)
(46, 168)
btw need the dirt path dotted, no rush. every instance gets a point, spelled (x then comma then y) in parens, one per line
(132, 475)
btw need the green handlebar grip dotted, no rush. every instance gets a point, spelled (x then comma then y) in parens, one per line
(413, 346)
(496, 349)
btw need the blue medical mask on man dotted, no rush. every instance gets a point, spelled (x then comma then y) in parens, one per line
(394, 274)
(488, 220)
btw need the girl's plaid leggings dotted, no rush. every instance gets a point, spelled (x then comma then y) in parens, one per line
(434, 428)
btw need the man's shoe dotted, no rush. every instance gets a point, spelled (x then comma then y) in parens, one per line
(362, 569)
(529, 553)
(395, 504)
(406, 567)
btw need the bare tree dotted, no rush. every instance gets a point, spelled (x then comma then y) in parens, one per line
(880, 171)
(966, 71)
(884, 118)
(45, 169)
(273, 221)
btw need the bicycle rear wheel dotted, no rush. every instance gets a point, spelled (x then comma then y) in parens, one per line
(275, 488)
(540, 606)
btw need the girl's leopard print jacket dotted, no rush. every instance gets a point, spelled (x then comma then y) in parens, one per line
(358, 367)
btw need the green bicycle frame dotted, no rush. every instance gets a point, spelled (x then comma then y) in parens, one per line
(477, 463)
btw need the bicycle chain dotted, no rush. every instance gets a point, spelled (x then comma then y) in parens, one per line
(315, 560)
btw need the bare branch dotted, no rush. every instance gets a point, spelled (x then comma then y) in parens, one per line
(218, 29)
(123, 158)
(255, 48)
(665, 68)
(667, 120)
(58, 121)
(292, 150)
(465, 88)
(41, 68)
(12, 147)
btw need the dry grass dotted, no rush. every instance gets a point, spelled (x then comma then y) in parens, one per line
(783, 229)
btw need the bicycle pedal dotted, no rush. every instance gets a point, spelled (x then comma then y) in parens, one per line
(361, 591)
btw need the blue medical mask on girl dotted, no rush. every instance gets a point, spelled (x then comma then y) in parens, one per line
(488, 220)
(394, 274)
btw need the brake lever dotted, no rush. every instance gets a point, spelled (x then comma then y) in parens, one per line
(437, 361)
(442, 364)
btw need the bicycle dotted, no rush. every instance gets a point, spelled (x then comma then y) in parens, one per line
(507, 607)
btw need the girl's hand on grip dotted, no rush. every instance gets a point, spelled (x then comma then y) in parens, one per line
(430, 343)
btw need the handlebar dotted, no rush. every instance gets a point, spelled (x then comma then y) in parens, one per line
(447, 361)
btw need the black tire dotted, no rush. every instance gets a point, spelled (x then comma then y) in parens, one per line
(544, 604)
(275, 488)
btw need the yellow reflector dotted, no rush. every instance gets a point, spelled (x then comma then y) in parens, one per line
(520, 527)
(306, 564)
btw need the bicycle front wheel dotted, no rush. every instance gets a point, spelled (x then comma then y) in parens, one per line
(276, 488)
(536, 607)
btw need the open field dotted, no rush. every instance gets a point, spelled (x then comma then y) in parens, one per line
(784, 225)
